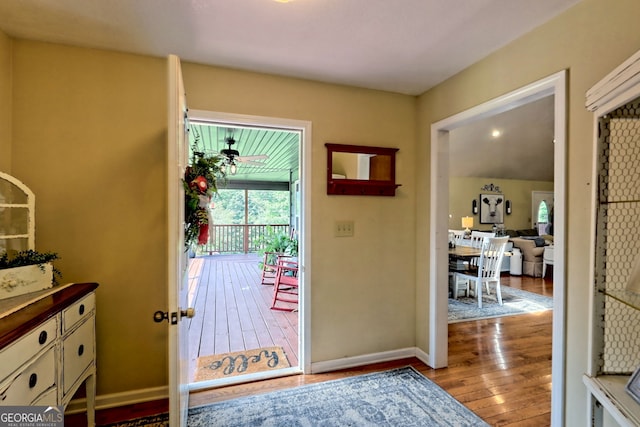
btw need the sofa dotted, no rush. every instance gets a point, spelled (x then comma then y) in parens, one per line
(529, 232)
(532, 249)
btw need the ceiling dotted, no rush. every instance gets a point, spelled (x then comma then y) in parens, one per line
(280, 148)
(523, 150)
(403, 46)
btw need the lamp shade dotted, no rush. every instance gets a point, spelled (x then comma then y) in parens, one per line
(467, 221)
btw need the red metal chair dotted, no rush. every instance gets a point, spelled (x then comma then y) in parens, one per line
(285, 287)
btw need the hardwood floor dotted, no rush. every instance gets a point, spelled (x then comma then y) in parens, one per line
(499, 368)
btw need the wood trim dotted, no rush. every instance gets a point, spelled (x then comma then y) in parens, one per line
(615, 85)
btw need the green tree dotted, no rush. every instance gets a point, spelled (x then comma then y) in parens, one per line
(264, 207)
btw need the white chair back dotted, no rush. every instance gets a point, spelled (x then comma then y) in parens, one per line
(458, 236)
(477, 237)
(490, 261)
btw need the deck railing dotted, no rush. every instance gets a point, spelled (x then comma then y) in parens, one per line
(240, 238)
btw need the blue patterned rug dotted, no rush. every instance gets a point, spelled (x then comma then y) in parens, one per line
(515, 301)
(400, 397)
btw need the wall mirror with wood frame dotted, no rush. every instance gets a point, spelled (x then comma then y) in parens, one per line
(358, 170)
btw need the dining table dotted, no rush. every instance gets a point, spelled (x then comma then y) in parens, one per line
(460, 257)
(464, 252)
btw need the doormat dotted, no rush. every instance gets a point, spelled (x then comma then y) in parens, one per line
(241, 363)
(401, 397)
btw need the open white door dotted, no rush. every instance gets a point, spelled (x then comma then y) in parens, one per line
(177, 258)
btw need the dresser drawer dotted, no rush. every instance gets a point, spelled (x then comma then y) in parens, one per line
(19, 352)
(77, 311)
(48, 398)
(77, 353)
(31, 382)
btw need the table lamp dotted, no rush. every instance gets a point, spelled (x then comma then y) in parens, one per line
(467, 223)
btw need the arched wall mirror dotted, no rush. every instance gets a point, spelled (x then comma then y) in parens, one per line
(361, 170)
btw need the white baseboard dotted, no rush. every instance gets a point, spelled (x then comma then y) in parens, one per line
(422, 356)
(350, 362)
(120, 399)
(150, 394)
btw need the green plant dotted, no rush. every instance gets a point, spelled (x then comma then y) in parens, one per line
(279, 243)
(30, 257)
(200, 184)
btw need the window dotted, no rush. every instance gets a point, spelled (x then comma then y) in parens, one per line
(543, 213)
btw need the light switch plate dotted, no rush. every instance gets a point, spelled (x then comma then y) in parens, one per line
(343, 229)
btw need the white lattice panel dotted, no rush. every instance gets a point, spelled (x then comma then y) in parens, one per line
(618, 234)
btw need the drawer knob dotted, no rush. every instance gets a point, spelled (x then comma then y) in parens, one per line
(42, 338)
(33, 380)
(81, 309)
(80, 350)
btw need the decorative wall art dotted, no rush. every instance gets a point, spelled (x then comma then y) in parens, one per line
(491, 208)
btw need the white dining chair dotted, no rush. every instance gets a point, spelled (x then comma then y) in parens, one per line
(477, 237)
(458, 236)
(459, 240)
(488, 271)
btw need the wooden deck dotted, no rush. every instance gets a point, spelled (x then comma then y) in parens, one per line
(233, 309)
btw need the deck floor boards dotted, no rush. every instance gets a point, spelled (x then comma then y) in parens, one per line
(233, 309)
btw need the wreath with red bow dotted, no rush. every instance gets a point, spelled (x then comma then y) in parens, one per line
(200, 184)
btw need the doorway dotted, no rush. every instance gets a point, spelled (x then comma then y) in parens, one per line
(555, 86)
(262, 154)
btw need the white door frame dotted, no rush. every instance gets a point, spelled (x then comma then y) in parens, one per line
(438, 224)
(304, 233)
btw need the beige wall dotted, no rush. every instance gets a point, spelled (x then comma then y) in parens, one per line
(589, 40)
(89, 139)
(5, 103)
(361, 301)
(462, 191)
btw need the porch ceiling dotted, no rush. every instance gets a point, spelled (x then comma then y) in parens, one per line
(280, 147)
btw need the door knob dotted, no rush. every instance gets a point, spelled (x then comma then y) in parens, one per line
(188, 313)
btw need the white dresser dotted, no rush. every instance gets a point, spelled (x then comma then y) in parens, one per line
(47, 347)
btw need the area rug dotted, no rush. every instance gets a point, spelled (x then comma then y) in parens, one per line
(161, 420)
(240, 363)
(515, 302)
(400, 397)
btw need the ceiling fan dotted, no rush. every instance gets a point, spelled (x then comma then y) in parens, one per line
(232, 156)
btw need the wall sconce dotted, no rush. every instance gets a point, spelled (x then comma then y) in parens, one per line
(474, 207)
(507, 207)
